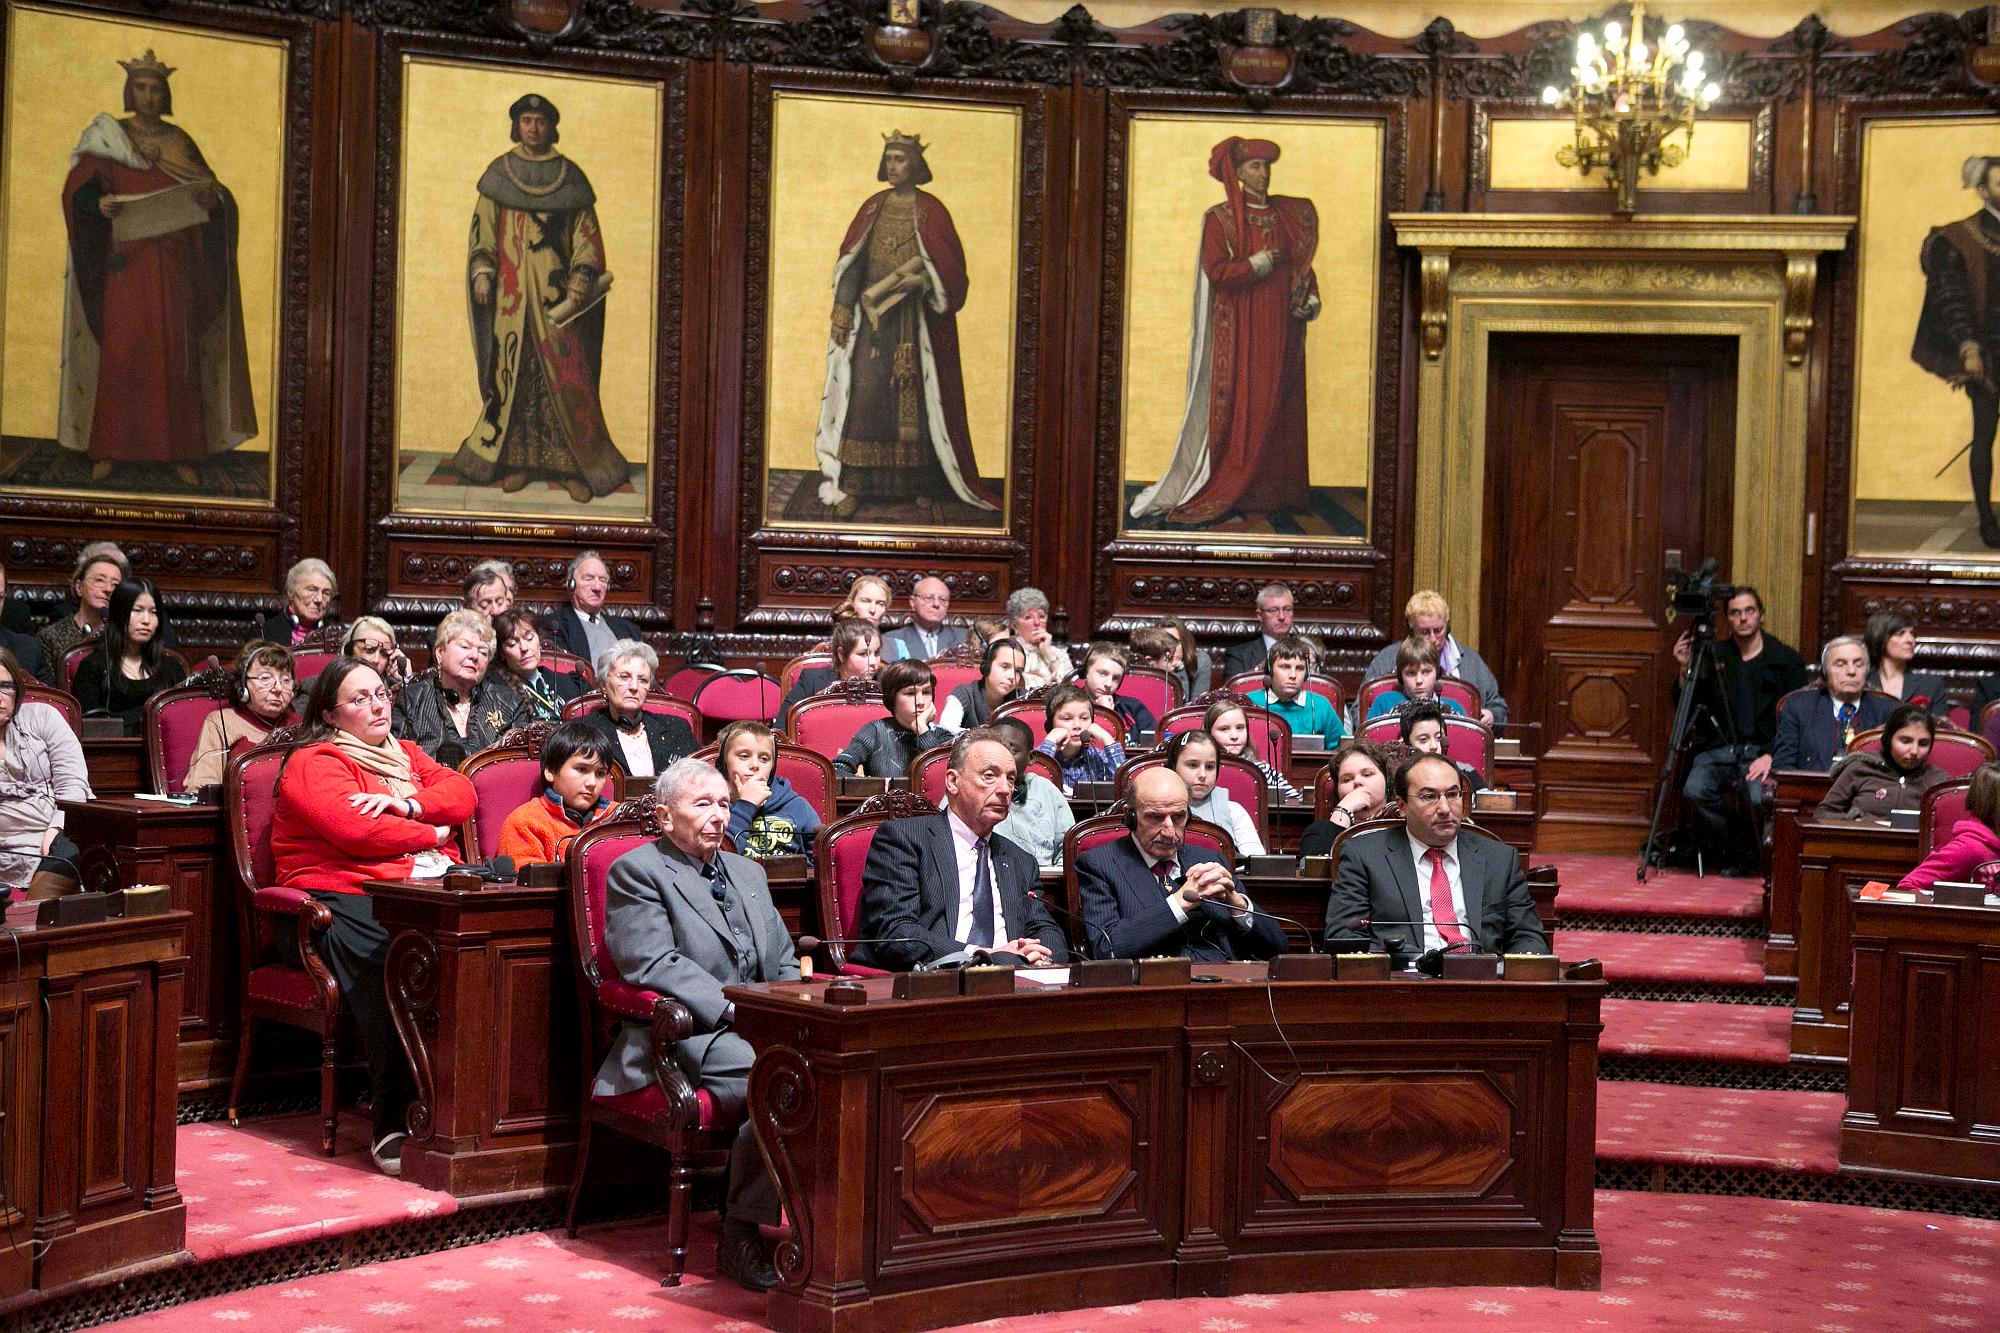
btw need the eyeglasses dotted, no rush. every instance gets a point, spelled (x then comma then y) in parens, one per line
(1425, 796)
(264, 679)
(364, 700)
(9, 687)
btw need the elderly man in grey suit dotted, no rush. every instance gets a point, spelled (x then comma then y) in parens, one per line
(926, 635)
(1427, 886)
(685, 918)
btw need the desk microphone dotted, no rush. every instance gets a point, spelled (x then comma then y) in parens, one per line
(811, 944)
(1431, 961)
(1300, 926)
(1036, 895)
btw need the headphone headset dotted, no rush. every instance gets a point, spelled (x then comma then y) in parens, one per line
(1131, 819)
(242, 690)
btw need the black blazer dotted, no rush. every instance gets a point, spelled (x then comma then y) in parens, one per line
(556, 687)
(1808, 734)
(1920, 685)
(278, 626)
(565, 626)
(1125, 912)
(909, 888)
(1377, 882)
(669, 737)
(1242, 657)
(27, 650)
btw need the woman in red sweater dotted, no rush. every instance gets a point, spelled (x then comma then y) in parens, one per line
(1973, 843)
(354, 805)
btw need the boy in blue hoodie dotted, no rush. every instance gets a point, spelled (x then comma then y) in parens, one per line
(766, 817)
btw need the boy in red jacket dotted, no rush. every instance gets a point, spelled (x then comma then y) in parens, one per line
(576, 769)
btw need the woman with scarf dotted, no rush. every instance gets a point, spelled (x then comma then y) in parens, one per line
(354, 805)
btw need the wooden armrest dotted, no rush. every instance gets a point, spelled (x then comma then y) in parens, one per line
(628, 1001)
(672, 1024)
(287, 901)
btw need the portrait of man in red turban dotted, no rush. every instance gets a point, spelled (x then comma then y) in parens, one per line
(1242, 442)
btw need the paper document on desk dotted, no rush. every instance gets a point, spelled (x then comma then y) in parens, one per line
(1043, 976)
(143, 216)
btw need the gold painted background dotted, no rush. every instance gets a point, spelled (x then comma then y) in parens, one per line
(1524, 158)
(1337, 165)
(62, 71)
(824, 154)
(1907, 422)
(454, 124)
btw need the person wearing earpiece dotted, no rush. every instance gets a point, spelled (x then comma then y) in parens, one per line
(1432, 885)
(260, 701)
(584, 628)
(1150, 893)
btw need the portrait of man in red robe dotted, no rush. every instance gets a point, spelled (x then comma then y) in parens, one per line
(892, 424)
(1242, 442)
(154, 367)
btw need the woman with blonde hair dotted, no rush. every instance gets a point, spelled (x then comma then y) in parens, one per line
(457, 708)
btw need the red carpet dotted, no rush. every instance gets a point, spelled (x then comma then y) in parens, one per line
(1757, 1034)
(1670, 1262)
(1701, 958)
(265, 1184)
(1764, 1130)
(1604, 885)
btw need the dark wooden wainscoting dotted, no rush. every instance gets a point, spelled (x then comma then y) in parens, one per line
(1605, 457)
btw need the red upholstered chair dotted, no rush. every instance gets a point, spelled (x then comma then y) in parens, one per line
(1960, 716)
(810, 774)
(504, 777)
(827, 721)
(738, 696)
(958, 667)
(1035, 712)
(1239, 777)
(672, 1113)
(73, 659)
(1371, 689)
(1959, 752)
(1153, 687)
(316, 652)
(1460, 693)
(788, 676)
(173, 721)
(1270, 735)
(555, 659)
(925, 775)
(1086, 834)
(683, 683)
(840, 853)
(284, 979)
(1941, 809)
(1248, 682)
(655, 702)
(33, 691)
(1467, 740)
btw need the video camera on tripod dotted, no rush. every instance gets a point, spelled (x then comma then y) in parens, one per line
(1694, 596)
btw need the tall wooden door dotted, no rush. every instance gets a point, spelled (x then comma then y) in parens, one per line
(1608, 463)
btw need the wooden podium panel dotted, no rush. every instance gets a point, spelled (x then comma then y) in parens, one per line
(1828, 859)
(87, 1037)
(1797, 795)
(483, 993)
(1923, 1079)
(182, 847)
(945, 1161)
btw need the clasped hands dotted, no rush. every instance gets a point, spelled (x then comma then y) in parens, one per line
(1209, 881)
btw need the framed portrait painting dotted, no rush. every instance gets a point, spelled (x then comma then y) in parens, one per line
(526, 293)
(1927, 344)
(1252, 257)
(142, 328)
(894, 238)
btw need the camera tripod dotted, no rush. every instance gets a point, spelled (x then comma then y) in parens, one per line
(1703, 666)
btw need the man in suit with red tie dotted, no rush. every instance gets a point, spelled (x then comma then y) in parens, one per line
(1151, 894)
(1463, 891)
(946, 885)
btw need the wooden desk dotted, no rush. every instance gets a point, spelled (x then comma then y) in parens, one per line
(483, 993)
(1923, 1081)
(1796, 796)
(116, 764)
(1823, 860)
(948, 1161)
(129, 841)
(87, 1028)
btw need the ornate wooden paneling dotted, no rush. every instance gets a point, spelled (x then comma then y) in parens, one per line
(982, 1159)
(1338, 1135)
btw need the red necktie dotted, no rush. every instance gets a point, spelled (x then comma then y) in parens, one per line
(1443, 915)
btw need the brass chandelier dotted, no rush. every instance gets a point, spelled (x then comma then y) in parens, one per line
(1630, 98)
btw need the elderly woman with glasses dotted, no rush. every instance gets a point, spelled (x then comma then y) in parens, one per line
(643, 743)
(41, 765)
(457, 709)
(260, 701)
(1028, 619)
(309, 593)
(355, 804)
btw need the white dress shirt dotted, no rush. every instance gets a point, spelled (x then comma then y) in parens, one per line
(965, 844)
(1176, 872)
(638, 748)
(1432, 938)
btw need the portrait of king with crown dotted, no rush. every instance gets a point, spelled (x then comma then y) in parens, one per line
(892, 424)
(154, 367)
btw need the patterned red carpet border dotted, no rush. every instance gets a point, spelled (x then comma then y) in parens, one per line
(1607, 885)
(1670, 1262)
